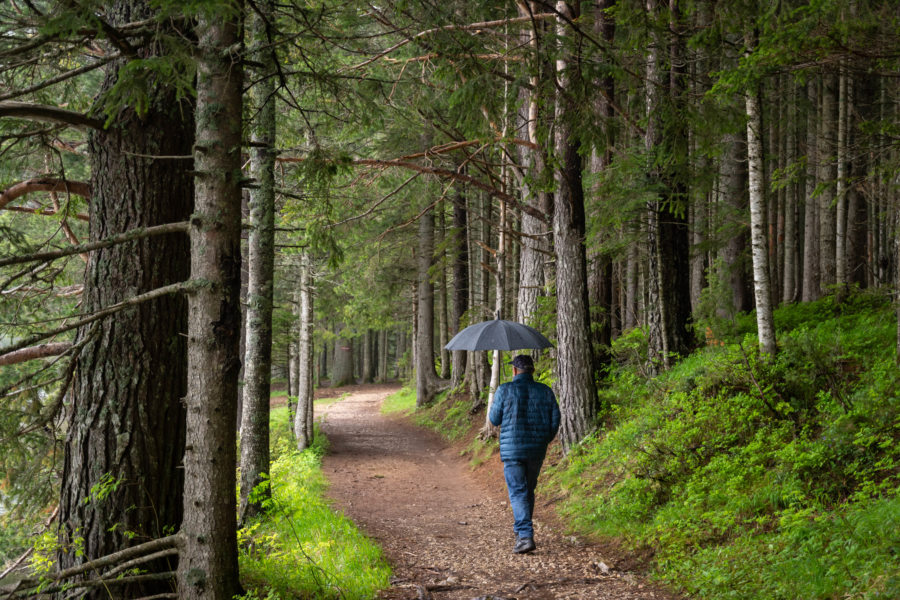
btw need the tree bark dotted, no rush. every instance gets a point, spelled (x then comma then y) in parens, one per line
(765, 322)
(342, 364)
(426, 376)
(208, 567)
(126, 420)
(810, 289)
(303, 419)
(575, 387)
(668, 236)
(261, 244)
(826, 176)
(460, 257)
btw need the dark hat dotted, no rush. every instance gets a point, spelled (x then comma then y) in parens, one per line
(523, 362)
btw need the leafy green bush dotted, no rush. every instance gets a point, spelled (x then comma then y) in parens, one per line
(753, 478)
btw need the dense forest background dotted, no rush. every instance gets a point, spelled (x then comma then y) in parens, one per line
(201, 198)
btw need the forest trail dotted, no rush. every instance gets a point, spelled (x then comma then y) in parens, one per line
(447, 531)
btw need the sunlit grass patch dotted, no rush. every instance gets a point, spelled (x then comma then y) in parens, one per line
(402, 401)
(302, 548)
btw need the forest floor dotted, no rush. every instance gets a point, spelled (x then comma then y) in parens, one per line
(446, 529)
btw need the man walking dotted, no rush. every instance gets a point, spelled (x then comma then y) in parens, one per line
(528, 416)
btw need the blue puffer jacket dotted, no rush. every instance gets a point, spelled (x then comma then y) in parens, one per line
(528, 416)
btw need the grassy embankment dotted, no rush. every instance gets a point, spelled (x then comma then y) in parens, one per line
(746, 478)
(302, 548)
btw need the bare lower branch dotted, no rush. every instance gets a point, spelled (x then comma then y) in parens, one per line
(170, 541)
(184, 286)
(44, 213)
(130, 235)
(44, 113)
(467, 27)
(44, 184)
(34, 352)
(60, 78)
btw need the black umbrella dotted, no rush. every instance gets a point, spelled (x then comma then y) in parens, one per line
(498, 335)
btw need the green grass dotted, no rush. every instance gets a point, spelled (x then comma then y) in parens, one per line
(401, 402)
(754, 479)
(302, 548)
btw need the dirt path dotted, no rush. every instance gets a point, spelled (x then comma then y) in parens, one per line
(447, 533)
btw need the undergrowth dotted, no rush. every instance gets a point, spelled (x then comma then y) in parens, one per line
(301, 548)
(751, 478)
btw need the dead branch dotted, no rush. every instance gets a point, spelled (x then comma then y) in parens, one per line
(184, 286)
(34, 352)
(468, 27)
(59, 78)
(45, 113)
(44, 184)
(130, 235)
(44, 213)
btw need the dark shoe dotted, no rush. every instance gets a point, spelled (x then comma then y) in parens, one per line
(524, 545)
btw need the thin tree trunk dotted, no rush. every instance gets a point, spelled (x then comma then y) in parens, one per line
(207, 566)
(426, 377)
(761, 285)
(810, 291)
(460, 258)
(261, 244)
(303, 423)
(845, 100)
(827, 175)
(342, 364)
(789, 287)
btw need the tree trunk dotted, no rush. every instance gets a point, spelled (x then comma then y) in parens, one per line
(208, 567)
(827, 174)
(810, 288)
(460, 257)
(342, 364)
(734, 254)
(761, 285)
(426, 377)
(575, 387)
(303, 420)
(789, 287)
(668, 236)
(845, 101)
(126, 420)
(261, 246)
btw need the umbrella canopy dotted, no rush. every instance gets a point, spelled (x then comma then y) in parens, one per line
(498, 335)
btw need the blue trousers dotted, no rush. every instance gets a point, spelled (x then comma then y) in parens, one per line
(521, 479)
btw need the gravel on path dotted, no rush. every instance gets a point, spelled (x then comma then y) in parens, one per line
(447, 533)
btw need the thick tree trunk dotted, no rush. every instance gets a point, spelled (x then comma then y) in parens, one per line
(261, 245)
(734, 188)
(342, 363)
(208, 566)
(761, 285)
(575, 387)
(303, 420)
(668, 236)
(126, 420)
